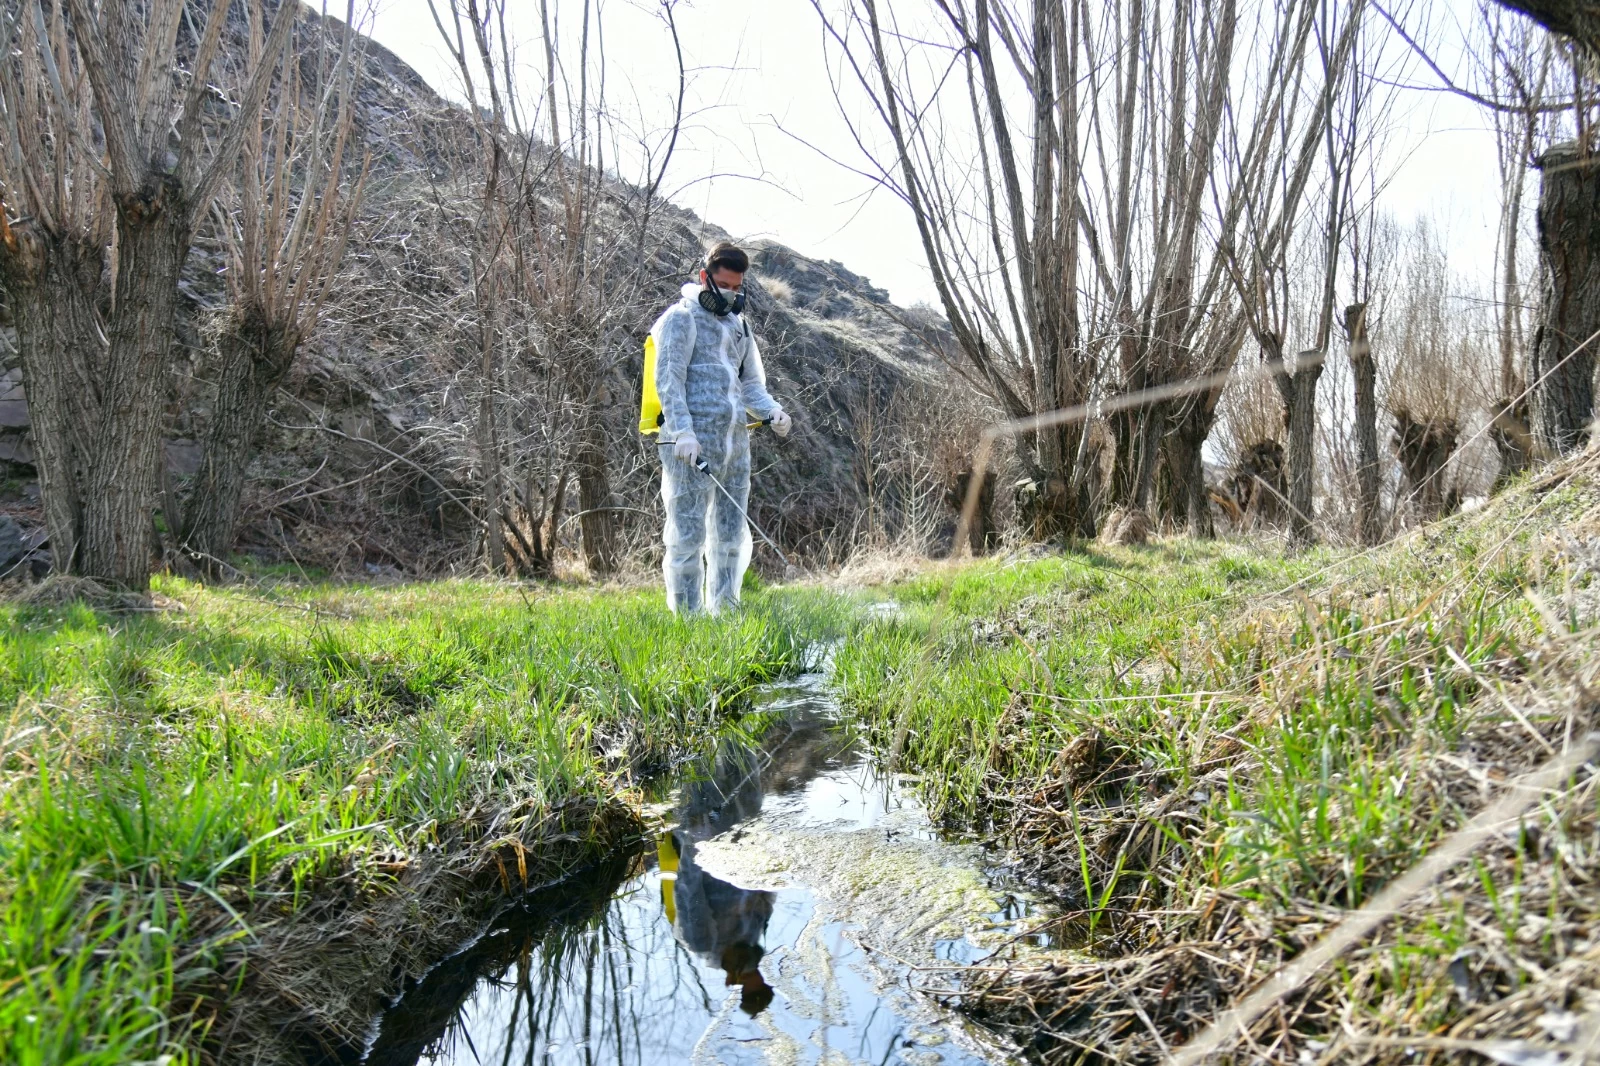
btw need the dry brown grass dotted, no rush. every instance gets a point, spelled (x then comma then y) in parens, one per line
(1424, 678)
(777, 289)
(1125, 526)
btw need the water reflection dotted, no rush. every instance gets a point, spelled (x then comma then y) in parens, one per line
(534, 941)
(719, 922)
(652, 960)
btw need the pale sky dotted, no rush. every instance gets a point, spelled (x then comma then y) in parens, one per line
(760, 92)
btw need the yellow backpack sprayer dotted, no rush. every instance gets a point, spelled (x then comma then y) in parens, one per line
(667, 856)
(650, 417)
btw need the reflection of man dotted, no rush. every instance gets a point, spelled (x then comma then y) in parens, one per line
(719, 922)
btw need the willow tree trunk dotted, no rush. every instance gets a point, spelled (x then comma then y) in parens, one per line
(1424, 447)
(488, 434)
(1137, 436)
(1299, 392)
(96, 400)
(1259, 488)
(50, 285)
(1058, 460)
(594, 496)
(1064, 505)
(489, 454)
(1183, 497)
(152, 243)
(254, 356)
(1365, 372)
(1569, 258)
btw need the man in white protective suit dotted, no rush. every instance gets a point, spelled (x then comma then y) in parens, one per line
(708, 375)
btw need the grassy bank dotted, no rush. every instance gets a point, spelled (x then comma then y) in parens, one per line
(1209, 755)
(1014, 658)
(249, 812)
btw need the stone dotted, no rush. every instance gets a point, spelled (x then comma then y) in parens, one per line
(16, 449)
(183, 457)
(13, 401)
(13, 544)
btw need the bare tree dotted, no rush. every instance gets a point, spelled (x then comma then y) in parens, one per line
(286, 230)
(1103, 264)
(1516, 64)
(1014, 317)
(1577, 19)
(1443, 363)
(1563, 362)
(1168, 316)
(464, 28)
(1518, 68)
(563, 274)
(1369, 251)
(1364, 370)
(100, 192)
(1264, 278)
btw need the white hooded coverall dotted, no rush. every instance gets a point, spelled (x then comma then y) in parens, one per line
(708, 375)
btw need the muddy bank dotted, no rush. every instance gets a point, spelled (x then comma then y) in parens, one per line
(306, 985)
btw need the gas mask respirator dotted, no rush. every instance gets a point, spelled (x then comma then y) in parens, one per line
(717, 302)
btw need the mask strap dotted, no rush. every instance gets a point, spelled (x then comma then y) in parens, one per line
(730, 304)
(718, 304)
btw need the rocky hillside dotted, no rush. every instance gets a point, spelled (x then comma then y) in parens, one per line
(368, 461)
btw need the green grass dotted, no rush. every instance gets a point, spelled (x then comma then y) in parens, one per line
(1014, 660)
(163, 774)
(989, 682)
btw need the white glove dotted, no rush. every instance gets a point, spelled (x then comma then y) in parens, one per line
(686, 448)
(782, 423)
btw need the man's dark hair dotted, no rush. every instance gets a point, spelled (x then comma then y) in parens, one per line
(728, 256)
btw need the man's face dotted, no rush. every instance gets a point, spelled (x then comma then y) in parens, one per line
(727, 280)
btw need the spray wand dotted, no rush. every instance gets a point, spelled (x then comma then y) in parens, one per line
(705, 468)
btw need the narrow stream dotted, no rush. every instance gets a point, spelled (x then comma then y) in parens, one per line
(776, 921)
